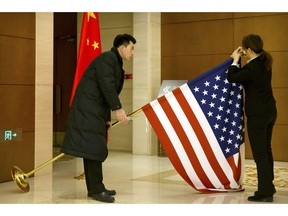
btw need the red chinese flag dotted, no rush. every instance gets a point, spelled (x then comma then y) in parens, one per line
(89, 46)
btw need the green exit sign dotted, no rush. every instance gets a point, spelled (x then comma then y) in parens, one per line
(11, 135)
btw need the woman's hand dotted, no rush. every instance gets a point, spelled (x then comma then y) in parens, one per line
(237, 54)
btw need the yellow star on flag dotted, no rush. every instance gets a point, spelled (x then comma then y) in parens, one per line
(91, 14)
(95, 45)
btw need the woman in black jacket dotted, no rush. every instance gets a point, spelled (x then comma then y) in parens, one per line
(260, 109)
(90, 114)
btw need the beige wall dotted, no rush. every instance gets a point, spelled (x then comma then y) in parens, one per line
(44, 90)
(112, 24)
(137, 136)
(146, 78)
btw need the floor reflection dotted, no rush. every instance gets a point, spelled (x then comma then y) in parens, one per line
(138, 179)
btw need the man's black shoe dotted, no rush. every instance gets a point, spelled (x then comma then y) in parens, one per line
(103, 197)
(109, 192)
(260, 198)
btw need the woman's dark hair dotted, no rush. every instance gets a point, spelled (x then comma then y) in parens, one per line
(123, 39)
(255, 43)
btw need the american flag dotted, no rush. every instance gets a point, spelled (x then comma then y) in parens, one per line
(201, 128)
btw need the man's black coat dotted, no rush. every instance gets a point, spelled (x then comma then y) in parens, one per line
(95, 97)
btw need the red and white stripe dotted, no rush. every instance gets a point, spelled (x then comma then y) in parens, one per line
(190, 143)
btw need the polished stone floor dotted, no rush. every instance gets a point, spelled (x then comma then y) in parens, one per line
(138, 179)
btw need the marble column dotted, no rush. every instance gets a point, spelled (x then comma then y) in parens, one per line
(146, 78)
(44, 91)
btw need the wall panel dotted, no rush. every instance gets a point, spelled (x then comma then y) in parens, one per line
(249, 14)
(192, 43)
(279, 144)
(11, 26)
(271, 28)
(168, 18)
(197, 38)
(17, 107)
(280, 68)
(17, 57)
(187, 67)
(281, 97)
(17, 92)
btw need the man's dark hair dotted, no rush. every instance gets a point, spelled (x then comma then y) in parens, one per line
(123, 39)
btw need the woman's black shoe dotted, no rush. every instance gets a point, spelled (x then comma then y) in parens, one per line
(260, 198)
(103, 197)
(109, 192)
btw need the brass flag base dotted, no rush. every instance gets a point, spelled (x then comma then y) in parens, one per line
(21, 178)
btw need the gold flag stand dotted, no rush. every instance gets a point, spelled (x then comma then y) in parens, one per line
(21, 178)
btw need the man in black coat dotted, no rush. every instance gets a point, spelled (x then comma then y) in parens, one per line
(90, 115)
